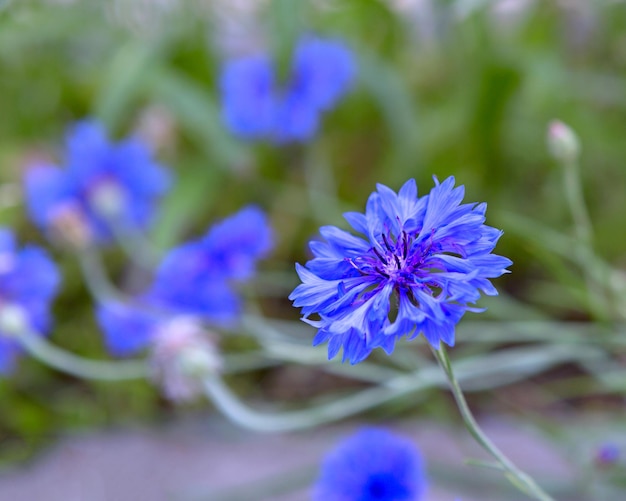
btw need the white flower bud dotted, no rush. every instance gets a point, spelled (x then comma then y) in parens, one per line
(183, 354)
(563, 143)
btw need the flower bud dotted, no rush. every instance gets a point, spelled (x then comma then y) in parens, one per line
(563, 143)
(183, 354)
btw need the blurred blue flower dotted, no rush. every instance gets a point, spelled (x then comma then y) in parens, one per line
(28, 282)
(248, 100)
(431, 253)
(608, 454)
(372, 465)
(195, 279)
(323, 71)
(253, 107)
(127, 328)
(103, 183)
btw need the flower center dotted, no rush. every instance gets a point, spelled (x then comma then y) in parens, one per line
(107, 199)
(394, 259)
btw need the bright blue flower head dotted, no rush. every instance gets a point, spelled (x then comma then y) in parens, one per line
(418, 266)
(196, 279)
(28, 282)
(103, 183)
(372, 465)
(255, 107)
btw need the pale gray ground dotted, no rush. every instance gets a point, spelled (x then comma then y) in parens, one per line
(212, 460)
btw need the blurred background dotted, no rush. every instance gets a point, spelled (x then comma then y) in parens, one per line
(464, 88)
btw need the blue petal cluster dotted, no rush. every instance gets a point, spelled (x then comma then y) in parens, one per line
(28, 281)
(255, 107)
(372, 465)
(418, 266)
(102, 182)
(195, 279)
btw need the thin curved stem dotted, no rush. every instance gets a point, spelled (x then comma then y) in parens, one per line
(517, 477)
(482, 372)
(584, 234)
(78, 366)
(96, 278)
(240, 413)
(135, 245)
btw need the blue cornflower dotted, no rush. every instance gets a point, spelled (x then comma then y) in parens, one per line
(103, 183)
(195, 279)
(323, 71)
(28, 282)
(248, 100)
(419, 265)
(372, 465)
(255, 107)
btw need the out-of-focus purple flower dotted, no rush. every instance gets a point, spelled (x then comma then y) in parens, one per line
(127, 328)
(248, 99)
(254, 107)
(236, 243)
(607, 455)
(372, 465)
(105, 183)
(323, 71)
(196, 279)
(28, 282)
(431, 253)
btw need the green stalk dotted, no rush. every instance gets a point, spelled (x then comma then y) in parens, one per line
(517, 477)
(584, 233)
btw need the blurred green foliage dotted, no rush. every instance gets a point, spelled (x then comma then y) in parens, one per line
(467, 90)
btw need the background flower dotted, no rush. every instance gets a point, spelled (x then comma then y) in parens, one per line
(248, 100)
(104, 182)
(28, 282)
(254, 106)
(430, 256)
(196, 279)
(372, 465)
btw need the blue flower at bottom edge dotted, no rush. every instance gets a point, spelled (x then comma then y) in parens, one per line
(372, 465)
(419, 265)
(29, 280)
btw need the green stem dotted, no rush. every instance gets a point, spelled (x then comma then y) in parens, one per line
(81, 367)
(584, 234)
(516, 476)
(481, 372)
